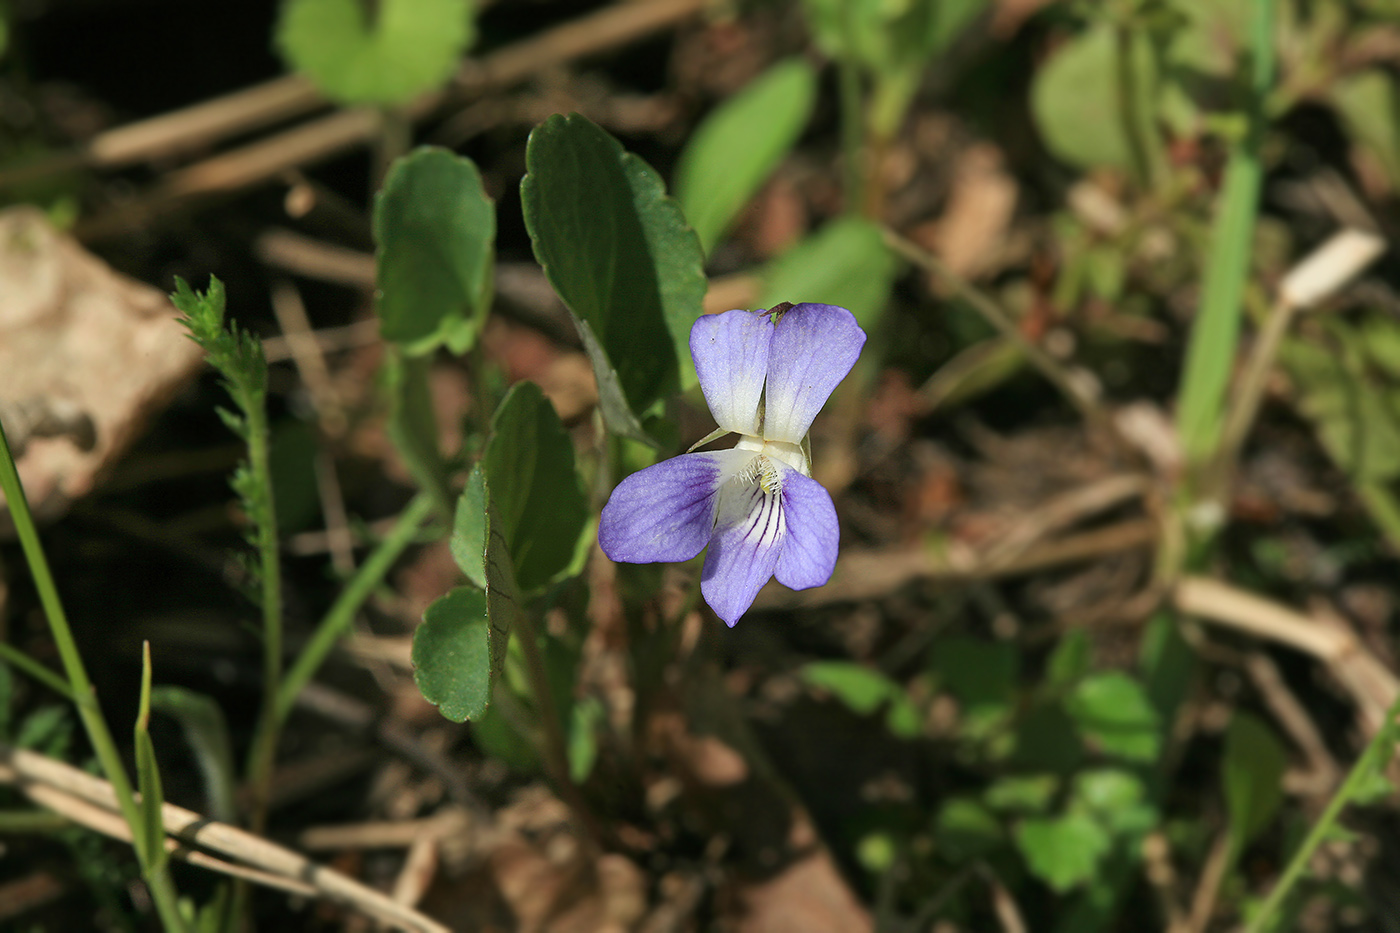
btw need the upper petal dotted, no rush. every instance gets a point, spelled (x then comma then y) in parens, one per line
(731, 353)
(809, 550)
(666, 512)
(813, 348)
(742, 555)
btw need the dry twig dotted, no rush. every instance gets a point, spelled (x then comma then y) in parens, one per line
(90, 801)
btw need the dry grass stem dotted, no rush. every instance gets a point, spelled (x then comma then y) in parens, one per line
(90, 800)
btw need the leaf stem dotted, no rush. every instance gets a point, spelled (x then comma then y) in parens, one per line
(84, 696)
(269, 555)
(1382, 744)
(338, 618)
(556, 755)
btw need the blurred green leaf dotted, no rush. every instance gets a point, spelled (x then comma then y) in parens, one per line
(1252, 775)
(734, 150)
(864, 691)
(1112, 712)
(1370, 108)
(1022, 793)
(1075, 99)
(1380, 338)
(887, 37)
(845, 263)
(1062, 851)
(413, 424)
(586, 718)
(49, 730)
(436, 232)
(1117, 798)
(403, 48)
(1210, 37)
(618, 251)
(202, 721)
(1070, 660)
(978, 673)
(535, 490)
(460, 649)
(965, 830)
(151, 835)
(1353, 413)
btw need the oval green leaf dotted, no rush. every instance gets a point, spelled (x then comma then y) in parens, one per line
(618, 252)
(436, 230)
(535, 489)
(411, 47)
(736, 147)
(845, 263)
(460, 649)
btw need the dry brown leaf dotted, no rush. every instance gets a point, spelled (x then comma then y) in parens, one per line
(75, 334)
(809, 896)
(979, 211)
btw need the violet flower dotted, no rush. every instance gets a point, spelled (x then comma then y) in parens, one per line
(765, 375)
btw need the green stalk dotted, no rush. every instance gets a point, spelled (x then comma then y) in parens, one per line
(852, 134)
(1211, 354)
(1382, 744)
(84, 697)
(337, 620)
(269, 555)
(554, 745)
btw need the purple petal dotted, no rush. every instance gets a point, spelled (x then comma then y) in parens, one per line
(731, 352)
(742, 556)
(809, 550)
(814, 347)
(666, 512)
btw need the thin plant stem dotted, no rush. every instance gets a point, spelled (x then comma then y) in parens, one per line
(852, 134)
(157, 877)
(23, 662)
(555, 748)
(32, 821)
(1381, 744)
(269, 555)
(342, 613)
(1141, 150)
(1210, 355)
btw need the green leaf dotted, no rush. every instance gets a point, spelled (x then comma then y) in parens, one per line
(965, 830)
(1252, 775)
(413, 424)
(202, 721)
(1350, 410)
(411, 46)
(585, 720)
(1075, 99)
(845, 263)
(1028, 793)
(1062, 851)
(1370, 108)
(734, 150)
(980, 674)
(529, 463)
(436, 232)
(460, 649)
(152, 830)
(888, 37)
(1070, 660)
(468, 541)
(1117, 799)
(618, 252)
(1112, 712)
(861, 689)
